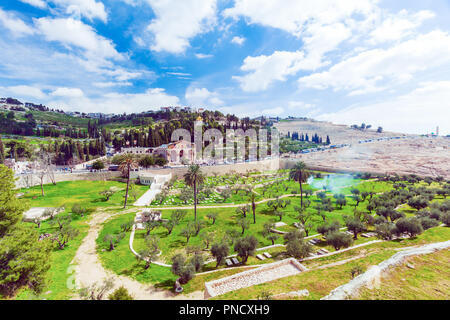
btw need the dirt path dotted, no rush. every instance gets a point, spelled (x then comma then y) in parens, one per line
(89, 270)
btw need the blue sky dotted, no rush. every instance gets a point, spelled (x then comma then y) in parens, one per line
(349, 61)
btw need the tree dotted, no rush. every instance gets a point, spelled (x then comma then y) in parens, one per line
(185, 195)
(300, 174)
(183, 269)
(272, 237)
(207, 237)
(2, 152)
(356, 226)
(411, 226)
(151, 225)
(78, 209)
(113, 239)
(225, 194)
(428, 223)
(126, 165)
(198, 225)
(445, 218)
(279, 214)
(108, 193)
(11, 208)
(64, 235)
(298, 248)
(246, 247)
(178, 215)
(61, 221)
(220, 251)
(252, 197)
(97, 291)
(147, 161)
(197, 261)
(150, 251)
(212, 216)
(328, 227)
(193, 178)
(120, 294)
(23, 259)
(243, 210)
(339, 240)
(98, 165)
(418, 202)
(244, 224)
(188, 232)
(386, 230)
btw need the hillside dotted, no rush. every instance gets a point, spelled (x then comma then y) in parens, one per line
(339, 134)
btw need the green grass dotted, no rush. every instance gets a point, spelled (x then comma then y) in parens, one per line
(122, 261)
(319, 282)
(86, 192)
(429, 280)
(59, 273)
(62, 119)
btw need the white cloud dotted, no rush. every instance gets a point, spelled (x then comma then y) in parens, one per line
(295, 105)
(203, 56)
(151, 99)
(73, 32)
(112, 84)
(323, 25)
(419, 111)
(294, 16)
(364, 72)
(263, 70)
(36, 3)
(177, 22)
(238, 40)
(68, 93)
(202, 97)
(273, 111)
(23, 91)
(14, 24)
(90, 9)
(396, 27)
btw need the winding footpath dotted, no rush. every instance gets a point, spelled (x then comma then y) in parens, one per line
(89, 270)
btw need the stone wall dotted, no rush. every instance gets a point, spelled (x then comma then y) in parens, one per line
(264, 165)
(93, 176)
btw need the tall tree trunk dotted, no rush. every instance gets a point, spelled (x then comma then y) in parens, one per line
(301, 192)
(195, 201)
(254, 211)
(128, 185)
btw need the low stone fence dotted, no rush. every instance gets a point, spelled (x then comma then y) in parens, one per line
(266, 273)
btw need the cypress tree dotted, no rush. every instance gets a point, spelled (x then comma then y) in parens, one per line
(2, 152)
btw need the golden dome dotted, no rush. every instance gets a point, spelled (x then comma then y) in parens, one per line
(199, 118)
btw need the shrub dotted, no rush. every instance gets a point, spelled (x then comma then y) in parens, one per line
(411, 226)
(246, 247)
(339, 240)
(329, 227)
(385, 230)
(220, 251)
(186, 271)
(428, 223)
(120, 294)
(445, 218)
(298, 249)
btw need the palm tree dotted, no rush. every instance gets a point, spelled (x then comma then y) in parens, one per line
(126, 164)
(301, 174)
(193, 177)
(252, 197)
